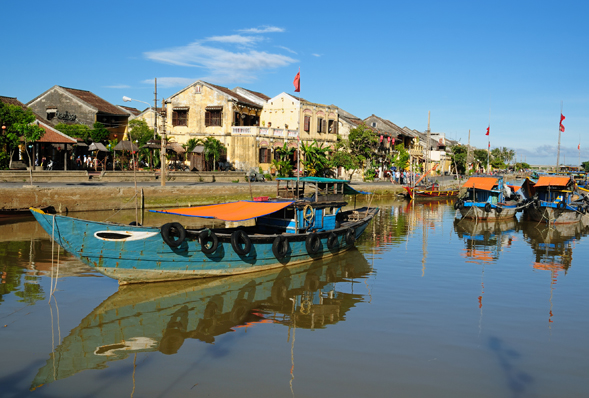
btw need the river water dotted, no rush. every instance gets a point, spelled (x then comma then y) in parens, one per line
(424, 307)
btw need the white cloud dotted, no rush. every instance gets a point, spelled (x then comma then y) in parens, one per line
(316, 55)
(167, 82)
(263, 29)
(287, 49)
(224, 66)
(118, 86)
(235, 39)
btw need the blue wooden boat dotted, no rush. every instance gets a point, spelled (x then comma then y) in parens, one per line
(161, 317)
(299, 225)
(487, 198)
(552, 199)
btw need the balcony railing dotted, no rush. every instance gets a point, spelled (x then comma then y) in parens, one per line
(264, 132)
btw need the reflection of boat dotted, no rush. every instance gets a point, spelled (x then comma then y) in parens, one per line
(286, 232)
(485, 239)
(429, 193)
(487, 198)
(554, 201)
(160, 317)
(552, 244)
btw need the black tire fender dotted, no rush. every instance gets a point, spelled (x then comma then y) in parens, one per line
(173, 234)
(332, 241)
(238, 238)
(312, 243)
(280, 246)
(208, 236)
(498, 209)
(350, 236)
(561, 205)
(457, 204)
(488, 207)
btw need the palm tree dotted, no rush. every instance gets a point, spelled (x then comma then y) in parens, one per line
(213, 148)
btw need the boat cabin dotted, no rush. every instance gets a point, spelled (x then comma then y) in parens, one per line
(551, 189)
(317, 203)
(484, 190)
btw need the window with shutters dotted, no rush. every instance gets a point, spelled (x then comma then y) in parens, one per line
(321, 125)
(213, 118)
(332, 127)
(307, 125)
(265, 155)
(180, 117)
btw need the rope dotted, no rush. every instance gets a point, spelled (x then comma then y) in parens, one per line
(133, 197)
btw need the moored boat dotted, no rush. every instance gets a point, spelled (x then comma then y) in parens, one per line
(431, 192)
(291, 229)
(553, 200)
(487, 198)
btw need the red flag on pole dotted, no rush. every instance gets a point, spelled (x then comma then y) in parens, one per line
(579, 146)
(297, 82)
(488, 128)
(561, 119)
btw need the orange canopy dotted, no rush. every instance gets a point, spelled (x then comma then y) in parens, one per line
(484, 183)
(553, 181)
(234, 211)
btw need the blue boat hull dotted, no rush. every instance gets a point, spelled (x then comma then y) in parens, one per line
(145, 256)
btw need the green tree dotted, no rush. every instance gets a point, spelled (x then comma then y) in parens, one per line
(458, 155)
(29, 132)
(316, 160)
(99, 133)
(13, 117)
(481, 156)
(191, 144)
(213, 148)
(74, 130)
(342, 157)
(401, 158)
(283, 164)
(362, 143)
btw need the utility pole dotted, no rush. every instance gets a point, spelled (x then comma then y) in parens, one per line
(428, 148)
(468, 153)
(163, 144)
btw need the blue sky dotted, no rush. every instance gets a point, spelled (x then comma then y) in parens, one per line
(510, 63)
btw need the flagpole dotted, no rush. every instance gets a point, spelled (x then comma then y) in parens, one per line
(559, 132)
(299, 135)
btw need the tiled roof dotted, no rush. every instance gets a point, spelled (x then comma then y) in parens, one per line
(238, 97)
(95, 101)
(131, 110)
(262, 96)
(54, 136)
(12, 101)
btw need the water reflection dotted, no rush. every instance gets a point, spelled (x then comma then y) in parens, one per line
(553, 244)
(485, 240)
(553, 248)
(161, 316)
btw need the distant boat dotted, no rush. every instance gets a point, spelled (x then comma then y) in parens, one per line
(552, 199)
(487, 198)
(289, 230)
(431, 192)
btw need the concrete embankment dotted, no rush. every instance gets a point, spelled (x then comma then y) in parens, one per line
(68, 197)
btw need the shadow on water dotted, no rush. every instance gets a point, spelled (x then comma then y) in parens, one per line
(518, 381)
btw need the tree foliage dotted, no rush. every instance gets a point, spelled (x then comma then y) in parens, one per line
(458, 154)
(99, 133)
(75, 130)
(283, 165)
(213, 148)
(401, 157)
(16, 119)
(316, 161)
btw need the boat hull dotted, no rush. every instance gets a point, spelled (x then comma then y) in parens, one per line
(423, 194)
(469, 211)
(554, 215)
(145, 256)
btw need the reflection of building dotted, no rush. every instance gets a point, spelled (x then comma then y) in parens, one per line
(161, 316)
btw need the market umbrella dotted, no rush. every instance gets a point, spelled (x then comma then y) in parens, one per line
(152, 145)
(125, 146)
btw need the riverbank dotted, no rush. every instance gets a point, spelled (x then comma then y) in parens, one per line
(72, 197)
